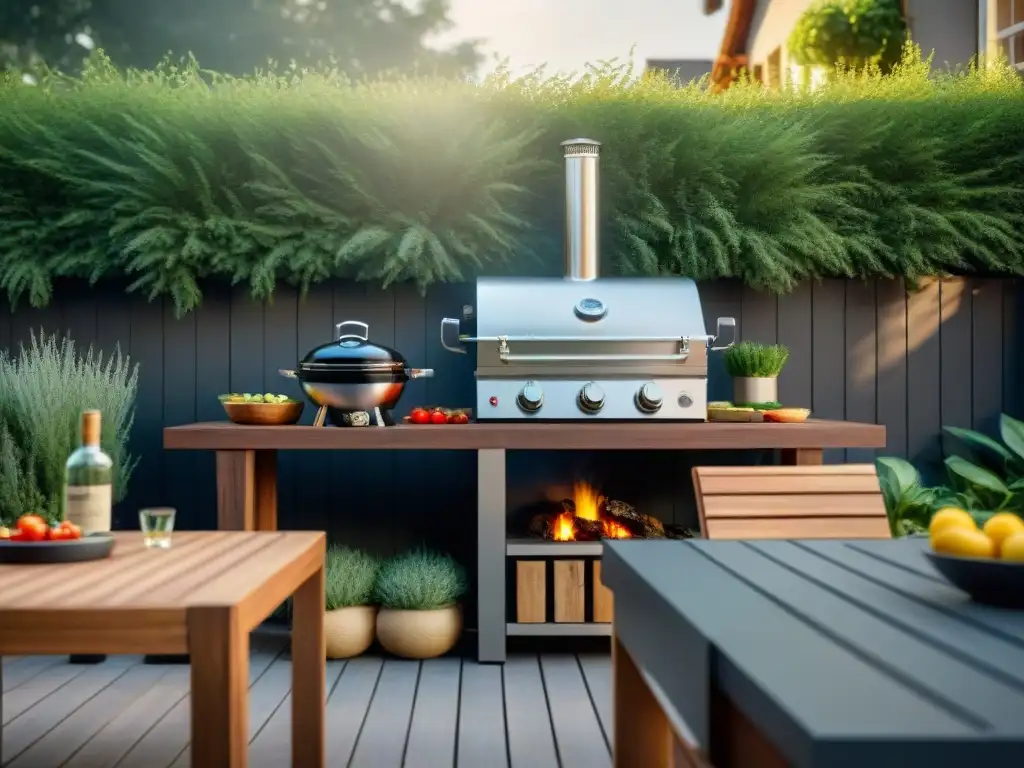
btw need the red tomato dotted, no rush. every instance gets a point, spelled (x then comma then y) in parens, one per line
(58, 533)
(438, 417)
(18, 536)
(419, 416)
(458, 418)
(71, 531)
(32, 528)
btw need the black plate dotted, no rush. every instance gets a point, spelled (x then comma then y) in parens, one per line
(987, 581)
(95, 546)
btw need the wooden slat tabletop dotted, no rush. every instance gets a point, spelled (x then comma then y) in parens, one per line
(138, 600)
(842, 653)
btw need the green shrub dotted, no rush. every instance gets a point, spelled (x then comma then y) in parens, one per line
(349, 577)
(43, 391)
(176, 176)
(751, 359)
(419, 581)
(856, 33)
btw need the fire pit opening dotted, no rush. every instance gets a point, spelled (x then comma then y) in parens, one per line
(590, 516)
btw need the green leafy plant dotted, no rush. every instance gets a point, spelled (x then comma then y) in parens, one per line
(854, 33)
(908, 503)
(43, 391)
(176, 176)
(420, 580)
(990, 473)
(749, 359)
(349, 578)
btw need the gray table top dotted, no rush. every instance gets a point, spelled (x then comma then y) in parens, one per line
(843, 653)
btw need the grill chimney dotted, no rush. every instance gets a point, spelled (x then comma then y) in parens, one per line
(581, 228)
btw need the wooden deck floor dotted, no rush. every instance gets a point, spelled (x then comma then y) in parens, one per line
(538, 710)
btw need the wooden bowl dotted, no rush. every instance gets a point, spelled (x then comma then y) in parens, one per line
(265, 414)
(787, 415)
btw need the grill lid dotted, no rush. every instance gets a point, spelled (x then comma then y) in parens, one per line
(627, 309)
(352, 352)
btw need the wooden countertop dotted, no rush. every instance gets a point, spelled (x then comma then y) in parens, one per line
(815, 433)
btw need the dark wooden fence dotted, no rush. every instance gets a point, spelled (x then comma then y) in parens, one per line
(942, 355)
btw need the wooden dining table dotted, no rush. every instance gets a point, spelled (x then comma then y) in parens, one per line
(200, 597)
(811, 654)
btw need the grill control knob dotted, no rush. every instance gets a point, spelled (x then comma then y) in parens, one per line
(531, 397)
(591, 398)
(685, 401)
(649, 398)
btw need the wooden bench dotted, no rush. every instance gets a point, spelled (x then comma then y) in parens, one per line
(768, 502)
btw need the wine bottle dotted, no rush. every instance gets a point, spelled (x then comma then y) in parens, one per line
(88, 483)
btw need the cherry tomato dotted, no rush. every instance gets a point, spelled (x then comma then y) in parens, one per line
(458, 418)
(419, 416)
(32, 528)
(58, 533)
(71, 531)
(17, 535)
(438, 417)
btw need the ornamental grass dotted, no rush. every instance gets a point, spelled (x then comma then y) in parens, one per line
(176, 176)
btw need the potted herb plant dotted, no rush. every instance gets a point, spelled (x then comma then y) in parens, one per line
(755, 372)
(350, 620)
(418, 593)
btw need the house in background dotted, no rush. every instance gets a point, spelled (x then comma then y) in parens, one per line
(955, 30)
(683, 71)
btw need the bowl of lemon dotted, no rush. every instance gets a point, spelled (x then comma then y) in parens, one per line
(988, 562)
(267, 410)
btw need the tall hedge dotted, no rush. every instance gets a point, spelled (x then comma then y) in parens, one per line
(174, 176)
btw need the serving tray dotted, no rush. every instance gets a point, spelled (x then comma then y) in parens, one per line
(95, 546)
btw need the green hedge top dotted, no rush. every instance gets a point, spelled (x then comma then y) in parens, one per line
(176, 176)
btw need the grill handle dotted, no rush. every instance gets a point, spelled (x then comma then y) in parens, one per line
(450, 336)
(720, 325)
(505, 357)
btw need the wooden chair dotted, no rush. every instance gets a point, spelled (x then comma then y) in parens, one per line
(841, 501)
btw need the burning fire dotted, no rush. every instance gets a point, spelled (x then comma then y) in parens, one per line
(588, 503)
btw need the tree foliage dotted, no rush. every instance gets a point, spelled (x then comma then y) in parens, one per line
(175, 176)
(853, 33)
(359, 37)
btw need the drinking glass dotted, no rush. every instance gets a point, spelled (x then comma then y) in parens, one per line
(157, 524)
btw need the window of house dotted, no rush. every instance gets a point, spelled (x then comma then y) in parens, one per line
(1010, 30)
(774, 79)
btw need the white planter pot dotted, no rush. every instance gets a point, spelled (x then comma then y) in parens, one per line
(419, 634)
(350, 631)
(755, 389)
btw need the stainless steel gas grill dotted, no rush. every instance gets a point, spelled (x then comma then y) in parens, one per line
(579, 347)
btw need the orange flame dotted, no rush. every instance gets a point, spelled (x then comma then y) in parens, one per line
(588, 503)
(564, 528)
(587, 500)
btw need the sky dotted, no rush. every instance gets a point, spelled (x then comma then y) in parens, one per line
(567, 34)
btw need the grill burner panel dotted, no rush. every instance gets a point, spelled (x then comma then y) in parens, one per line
(683, 399)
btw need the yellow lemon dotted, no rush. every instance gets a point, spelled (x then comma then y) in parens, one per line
(1013, 548)
(963, 542)
(1002, 525)
(950, 517)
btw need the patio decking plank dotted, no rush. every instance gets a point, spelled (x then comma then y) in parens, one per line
(435, 717)
(60, 743)
(18, 670)
(393, 713)
(30, 725)
(347, 705)
(597, 673)
(531, 740)
(117, 737)
(162, 744)
(578, 733)
(271, 746)
(482, 717)
(382, 739)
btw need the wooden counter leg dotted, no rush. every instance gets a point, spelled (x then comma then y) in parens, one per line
(803, 457)
(219, 648)
(309, 671)
(236, 490)
(266, 490)
(642, 733)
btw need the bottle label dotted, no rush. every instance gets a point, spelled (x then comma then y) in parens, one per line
(89, 507)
